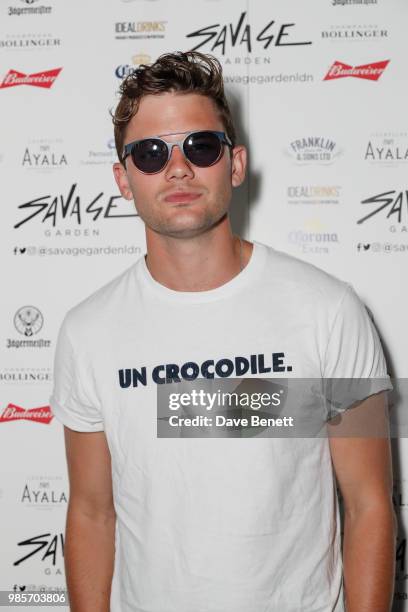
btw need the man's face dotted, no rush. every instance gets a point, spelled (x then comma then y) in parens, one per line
(171, 112)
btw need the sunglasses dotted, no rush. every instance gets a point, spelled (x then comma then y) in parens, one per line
(203, 149)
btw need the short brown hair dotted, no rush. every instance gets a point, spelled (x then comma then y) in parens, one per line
(183, 71)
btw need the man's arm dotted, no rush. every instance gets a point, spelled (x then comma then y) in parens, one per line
(363, 467)
(90, 527)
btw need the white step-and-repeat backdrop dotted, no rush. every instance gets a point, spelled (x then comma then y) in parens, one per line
(319, 94)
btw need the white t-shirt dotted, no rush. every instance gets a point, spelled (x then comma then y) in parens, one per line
(216, 524)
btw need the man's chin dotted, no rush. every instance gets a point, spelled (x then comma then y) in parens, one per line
(187, 225)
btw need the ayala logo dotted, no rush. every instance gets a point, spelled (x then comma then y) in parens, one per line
(51, 544)
(12, 412)
(43, 79)
(241, 34)
(392, 200)
(43, 495)
(371, 72)
(43, 159)
(54, 207)
(387, 151)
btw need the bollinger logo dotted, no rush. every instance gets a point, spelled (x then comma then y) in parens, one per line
(44, 79)
(242, 35)
(370, 72)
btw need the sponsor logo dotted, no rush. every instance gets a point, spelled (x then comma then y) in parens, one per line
(400, 573)
(123, 70)
(12, 412)
(370, 72)
(398, 497)
(44, 79)
(42, 155)
(313, 194)
(58, 208)
(96, 157)
(389, 149)
(313, 150)
(28, 321)
(29, 41)
(313, 238)
(43, 492)
(389, 205)
(48, 547)
(354, 33)
(241, 35)
(136, 30)
(25, 376)
(29, 9)
(347, 2)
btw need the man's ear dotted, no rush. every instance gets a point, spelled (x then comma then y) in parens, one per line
(119, 172)
(238, 165)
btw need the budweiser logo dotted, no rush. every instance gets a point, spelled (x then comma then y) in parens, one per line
(12, 412)
(371, 72)
(43, 79)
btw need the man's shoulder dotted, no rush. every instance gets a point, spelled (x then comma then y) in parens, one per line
(301, 278)
(103, 305)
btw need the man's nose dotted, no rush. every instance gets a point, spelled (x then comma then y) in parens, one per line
(178, 165)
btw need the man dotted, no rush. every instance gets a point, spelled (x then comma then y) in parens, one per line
(205, 524)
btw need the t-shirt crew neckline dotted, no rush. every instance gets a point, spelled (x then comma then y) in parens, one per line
(239, 282)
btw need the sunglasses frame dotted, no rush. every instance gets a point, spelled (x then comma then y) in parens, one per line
(222, 136)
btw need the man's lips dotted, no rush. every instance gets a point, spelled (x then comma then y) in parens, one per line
(182, 197)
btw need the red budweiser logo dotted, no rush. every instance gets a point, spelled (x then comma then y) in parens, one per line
(12, 412)
(38, 79)
(372, 72)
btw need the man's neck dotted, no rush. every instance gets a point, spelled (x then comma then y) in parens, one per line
(199, 263)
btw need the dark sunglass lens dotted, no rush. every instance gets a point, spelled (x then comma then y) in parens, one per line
(203, 148)
(149, 155)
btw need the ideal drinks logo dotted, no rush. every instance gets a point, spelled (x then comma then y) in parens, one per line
(370, 72)
(389, 205)
(44, 79)
(313, 194)
(242, 35)
(135, 30)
